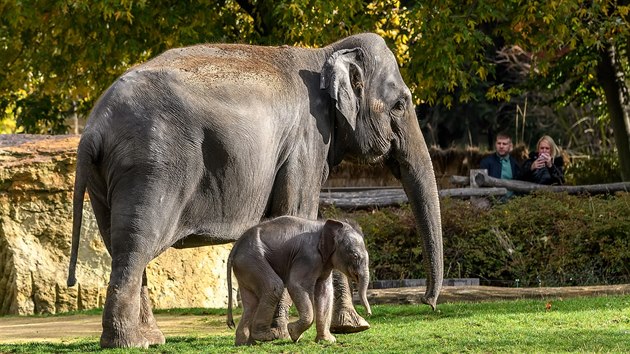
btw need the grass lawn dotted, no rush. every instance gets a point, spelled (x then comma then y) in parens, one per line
(583, 325)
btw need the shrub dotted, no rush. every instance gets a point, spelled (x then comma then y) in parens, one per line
(390, 237)
(594, 170)
(540, 239)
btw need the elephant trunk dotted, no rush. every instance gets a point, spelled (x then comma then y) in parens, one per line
(418, 180)
(362, 286)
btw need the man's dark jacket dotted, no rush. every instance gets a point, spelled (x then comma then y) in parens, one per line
(492, 163)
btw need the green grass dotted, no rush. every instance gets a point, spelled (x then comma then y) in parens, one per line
(583, 325)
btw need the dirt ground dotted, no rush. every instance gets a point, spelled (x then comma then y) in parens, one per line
(69, 328)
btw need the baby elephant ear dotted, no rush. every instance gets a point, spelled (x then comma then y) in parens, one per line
(327, 241)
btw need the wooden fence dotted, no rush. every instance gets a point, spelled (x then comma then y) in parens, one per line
(478, 184)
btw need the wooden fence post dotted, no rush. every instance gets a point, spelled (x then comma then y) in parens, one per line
(473, 174)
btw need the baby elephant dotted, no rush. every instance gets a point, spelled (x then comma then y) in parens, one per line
(299, 255)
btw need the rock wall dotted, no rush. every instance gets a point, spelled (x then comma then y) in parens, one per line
(36, 182)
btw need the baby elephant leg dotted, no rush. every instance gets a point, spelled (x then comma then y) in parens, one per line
(250, 303)
(281, 317)
(270, 292)
(323, 310)
(304, 304)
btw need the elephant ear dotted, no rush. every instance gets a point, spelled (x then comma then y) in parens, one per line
(327, 241)
(343, 78)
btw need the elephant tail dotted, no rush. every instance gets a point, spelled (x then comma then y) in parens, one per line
(84, 160)
(230, 319)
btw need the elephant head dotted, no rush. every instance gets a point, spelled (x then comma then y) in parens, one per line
(343, 247)
(376, 121)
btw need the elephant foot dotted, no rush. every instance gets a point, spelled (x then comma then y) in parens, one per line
(154, 335)
(326, 338)
(243, 338)
(295, 332)
(280, 333)
(347, 320)
(124, 339)
(281, 318)
(263, 336)
(429, 300)
(243, 341)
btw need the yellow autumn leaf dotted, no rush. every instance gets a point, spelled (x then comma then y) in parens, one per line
(482, 72)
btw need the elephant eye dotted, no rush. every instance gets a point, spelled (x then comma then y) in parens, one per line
(399, 107)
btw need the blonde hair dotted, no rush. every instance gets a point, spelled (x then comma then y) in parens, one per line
(555, 151)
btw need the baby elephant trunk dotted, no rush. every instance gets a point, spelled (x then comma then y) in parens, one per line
(362, 286)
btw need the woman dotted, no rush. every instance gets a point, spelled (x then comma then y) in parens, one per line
(544, 166)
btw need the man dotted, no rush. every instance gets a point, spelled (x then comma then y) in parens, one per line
(501, 164)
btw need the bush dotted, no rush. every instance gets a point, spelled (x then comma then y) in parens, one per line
(391, 239)
(540, 239)
(594, 170)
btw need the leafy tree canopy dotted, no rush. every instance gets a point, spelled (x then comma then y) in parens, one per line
(57, 57)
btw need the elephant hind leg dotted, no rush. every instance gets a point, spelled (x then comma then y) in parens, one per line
(148, 325)
(250, 303)
(270, 295)
(121, 314)
(281, 317)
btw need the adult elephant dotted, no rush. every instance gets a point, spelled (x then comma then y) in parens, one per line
(200, 143)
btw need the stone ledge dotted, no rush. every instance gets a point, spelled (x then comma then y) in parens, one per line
(412, 295)
(406, 283)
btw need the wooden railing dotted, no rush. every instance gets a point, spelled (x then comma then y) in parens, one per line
(478, 184)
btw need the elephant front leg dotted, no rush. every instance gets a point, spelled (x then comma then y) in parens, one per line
(323, 310)
(304, 305)
(345, 318)
(148, 325)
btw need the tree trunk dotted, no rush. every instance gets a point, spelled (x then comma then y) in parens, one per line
(611, 78)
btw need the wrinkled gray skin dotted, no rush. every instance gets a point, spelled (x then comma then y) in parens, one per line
(299, 255)
(200, 143)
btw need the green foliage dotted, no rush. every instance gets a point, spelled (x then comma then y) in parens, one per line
(391, 240)
(602, 168)
(558, 239)
(589, 325)
(303, 23)
(547, 239)
(448, 49)
(57, 58)
(442, 45)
